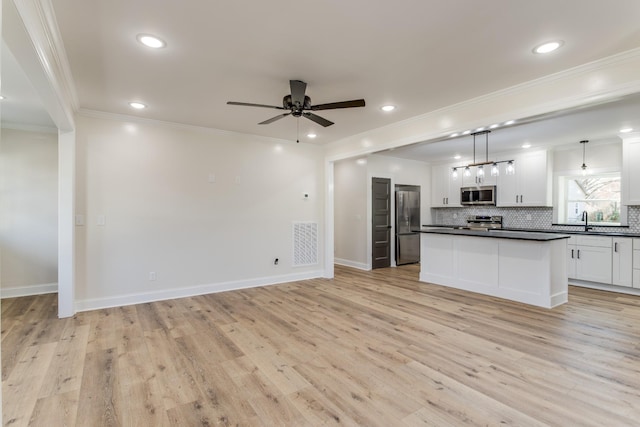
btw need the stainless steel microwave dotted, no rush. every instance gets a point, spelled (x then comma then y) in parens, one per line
(484, 195)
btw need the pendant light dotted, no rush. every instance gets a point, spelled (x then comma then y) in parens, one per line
(480, 172)
(584, 165)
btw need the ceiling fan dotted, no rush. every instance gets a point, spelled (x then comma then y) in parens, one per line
(299, 104)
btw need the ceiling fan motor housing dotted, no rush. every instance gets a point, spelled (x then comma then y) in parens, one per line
(288, 104)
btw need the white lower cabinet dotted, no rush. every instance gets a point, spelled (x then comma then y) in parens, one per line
(590, 258)
(622, 262)
(636, 263)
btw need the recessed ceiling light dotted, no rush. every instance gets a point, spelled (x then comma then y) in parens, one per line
(453, 135)
(526, 145)
(548, 47)
(150, 41)
(626, 130)
(457, 156)
(466, 132)
(480, 129)
(137, 105)
(510, 122)
(311, 135)
(388, 108)
(493, 126)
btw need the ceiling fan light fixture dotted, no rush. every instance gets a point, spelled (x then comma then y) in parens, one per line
(388, 108)
(137, 105)
(311, 135)
(151, 41)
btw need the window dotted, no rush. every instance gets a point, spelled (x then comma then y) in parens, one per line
(598, 195)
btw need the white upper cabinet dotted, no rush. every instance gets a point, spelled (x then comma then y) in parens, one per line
(531, 183)
(445, 189)
(630, 169)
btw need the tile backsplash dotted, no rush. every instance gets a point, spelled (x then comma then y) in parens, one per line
(541, 218)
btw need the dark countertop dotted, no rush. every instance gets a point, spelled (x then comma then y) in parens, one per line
(553, 231)
(497, 234)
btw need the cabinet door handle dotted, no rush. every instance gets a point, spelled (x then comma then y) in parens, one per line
(516, 198)
(578, 253)
(443, 201)
(572, 253)
(447, 200)
(615, 247)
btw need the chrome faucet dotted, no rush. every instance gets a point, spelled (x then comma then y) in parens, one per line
(585, 218)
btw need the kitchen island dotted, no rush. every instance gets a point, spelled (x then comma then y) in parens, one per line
(527, 267)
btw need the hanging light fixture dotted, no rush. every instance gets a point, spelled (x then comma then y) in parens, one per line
(584, 165)
(480, 173)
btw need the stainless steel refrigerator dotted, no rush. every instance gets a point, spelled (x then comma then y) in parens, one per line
(407, 224)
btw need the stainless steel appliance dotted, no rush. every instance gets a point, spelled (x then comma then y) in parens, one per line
(482, 195)
(484, 222)
(407, 224)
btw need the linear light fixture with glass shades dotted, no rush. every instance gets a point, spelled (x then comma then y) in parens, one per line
(495, 171)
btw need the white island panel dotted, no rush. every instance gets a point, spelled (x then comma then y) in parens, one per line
(532, 271)
(477, 262)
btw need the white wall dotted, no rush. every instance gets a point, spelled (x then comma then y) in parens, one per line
(28, 218)
(352, 192)
(151, 184)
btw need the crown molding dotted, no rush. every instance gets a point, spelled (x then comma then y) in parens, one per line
(29, 128)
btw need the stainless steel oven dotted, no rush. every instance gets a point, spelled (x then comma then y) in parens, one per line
(484, 195)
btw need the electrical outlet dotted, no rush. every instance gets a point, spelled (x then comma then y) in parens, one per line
(152, 275)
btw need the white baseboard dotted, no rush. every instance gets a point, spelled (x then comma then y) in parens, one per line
(25, 291)
(144, 297)
(605, 287)
(354, 264)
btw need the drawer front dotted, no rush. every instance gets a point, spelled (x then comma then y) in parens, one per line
(596, 241)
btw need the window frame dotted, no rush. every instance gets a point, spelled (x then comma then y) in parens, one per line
(560, 208)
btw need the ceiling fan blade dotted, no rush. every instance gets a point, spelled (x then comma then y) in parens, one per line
(273, 119)
(336, 105)
(298, 88)
(319, 120)
(248, 104)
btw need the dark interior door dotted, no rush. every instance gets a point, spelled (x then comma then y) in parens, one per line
(381, 213)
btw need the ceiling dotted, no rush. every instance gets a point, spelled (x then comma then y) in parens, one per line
(598, 124)
(22, 105)
(419, 55)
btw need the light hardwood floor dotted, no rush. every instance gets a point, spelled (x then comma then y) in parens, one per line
(368, 348)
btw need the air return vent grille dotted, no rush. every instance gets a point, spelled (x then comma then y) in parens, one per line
(305, 243)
